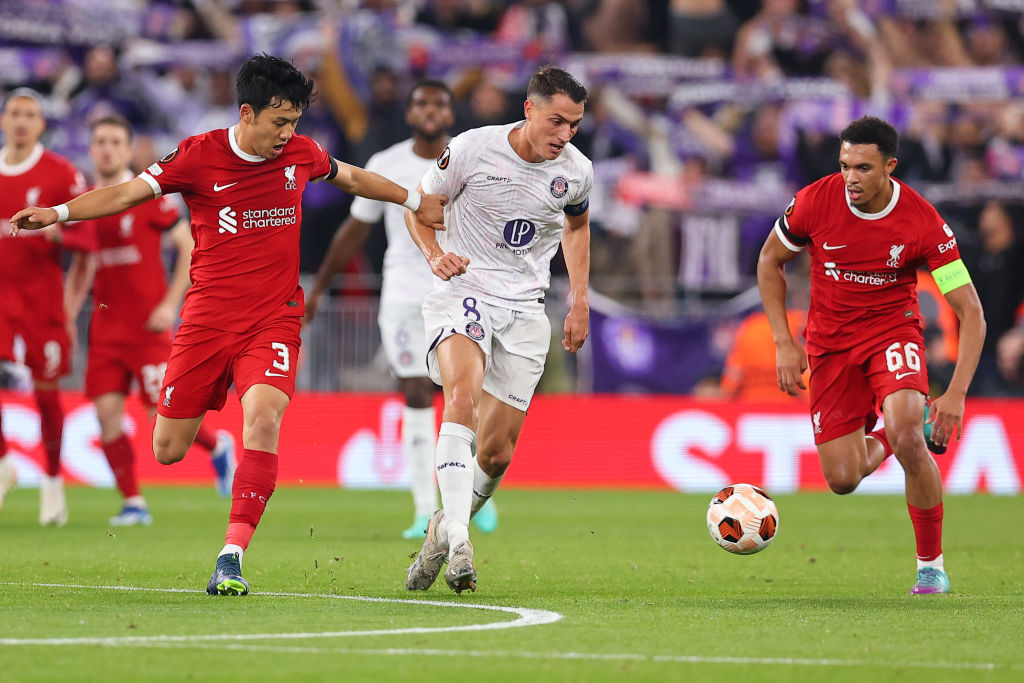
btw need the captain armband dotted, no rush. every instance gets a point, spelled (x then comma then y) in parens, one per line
(951, 276)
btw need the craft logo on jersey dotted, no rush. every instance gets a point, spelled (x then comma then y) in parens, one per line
(227, 221)
(289, 178)
(518, 234)
(895, 252)
(167, 396)
(559, 186)
(474, 330)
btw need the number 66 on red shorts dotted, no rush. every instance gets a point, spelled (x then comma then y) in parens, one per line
(847, 387)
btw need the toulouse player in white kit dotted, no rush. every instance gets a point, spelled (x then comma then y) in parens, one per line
(407, 279)
(515, 191)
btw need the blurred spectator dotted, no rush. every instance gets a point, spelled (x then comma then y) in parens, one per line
(543, 21)
(453, 16)
(617, 26)
(103, 90)
(995, 267)
(701, 28)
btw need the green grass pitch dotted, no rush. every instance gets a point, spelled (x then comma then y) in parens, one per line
(643, 592)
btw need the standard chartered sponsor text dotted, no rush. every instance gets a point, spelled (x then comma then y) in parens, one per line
(268, 218)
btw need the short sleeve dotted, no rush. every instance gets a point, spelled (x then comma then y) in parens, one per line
(448, 174)
(369, 210)
(165, 214)
(175, 172)
(793, 226)
(580, 201)
(321, 164)
(937, 240)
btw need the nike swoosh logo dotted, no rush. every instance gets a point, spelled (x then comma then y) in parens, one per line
(830, 247)
(268, 373)
(218, 188)
(901, 375)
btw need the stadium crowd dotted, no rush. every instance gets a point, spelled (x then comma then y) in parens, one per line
(705, 115)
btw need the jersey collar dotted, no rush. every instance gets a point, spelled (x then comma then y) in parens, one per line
(238, 150)
(881, 214)
(19, 168)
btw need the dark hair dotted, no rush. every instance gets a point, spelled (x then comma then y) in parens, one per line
(428, 83)
(549, 80)
(112, 120)
(869, 130)
(268, 81)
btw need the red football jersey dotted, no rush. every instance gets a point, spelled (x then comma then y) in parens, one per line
(130, 278)
(863, 265)
(246, 213)
(31, 274)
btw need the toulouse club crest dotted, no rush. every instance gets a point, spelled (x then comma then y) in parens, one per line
(559, 186)
(474, 330)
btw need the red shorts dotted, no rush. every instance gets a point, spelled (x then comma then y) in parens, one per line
(847, 388)
(204, 362)
(112, 367)
(47, 345)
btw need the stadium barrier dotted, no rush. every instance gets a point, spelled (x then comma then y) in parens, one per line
(353, 441)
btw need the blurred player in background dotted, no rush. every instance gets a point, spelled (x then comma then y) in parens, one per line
(243, 313)
(407, 279)
(867, 234)
(516, 189)
(36, 295)
(134, 310)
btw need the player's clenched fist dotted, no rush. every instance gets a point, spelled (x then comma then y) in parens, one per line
(447, 266)
(32, 218)
(431, 211)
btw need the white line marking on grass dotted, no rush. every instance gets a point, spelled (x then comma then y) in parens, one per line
(526, 617)
(601, 656)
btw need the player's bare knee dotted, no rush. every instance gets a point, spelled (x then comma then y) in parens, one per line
(262, 427)
(462, 407)
(842, 481)
(495, 459)
(167, 452)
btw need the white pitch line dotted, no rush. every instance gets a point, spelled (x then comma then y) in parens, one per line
(526, 617)
(606, 656)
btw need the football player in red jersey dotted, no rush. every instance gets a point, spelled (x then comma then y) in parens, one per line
(36, 294)
(133, 314)
(243, 313)
(867, 234)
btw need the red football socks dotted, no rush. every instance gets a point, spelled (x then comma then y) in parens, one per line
(255, 480)
(51, 425)
(121, 457)
(880, 435)
(206, 438)
(927, 531)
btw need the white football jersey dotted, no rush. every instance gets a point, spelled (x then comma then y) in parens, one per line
(407, 276)
(506, 214)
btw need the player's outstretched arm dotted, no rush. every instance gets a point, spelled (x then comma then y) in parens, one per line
(443, 265)
(429, 208)
(347, 239)
(104, 201)
(790, 356)
(576, 249)
(163, 315)
(947, 411)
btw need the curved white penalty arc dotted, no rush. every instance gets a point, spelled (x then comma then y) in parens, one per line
(525, 617)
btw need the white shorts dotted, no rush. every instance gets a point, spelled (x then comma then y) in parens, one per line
(401, 335)
(515, 344)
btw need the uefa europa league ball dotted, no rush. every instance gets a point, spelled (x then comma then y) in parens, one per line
(742, 519)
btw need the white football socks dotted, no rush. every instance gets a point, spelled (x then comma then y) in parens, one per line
(455, 479)
(231, 548)
(418, 446)
(483, 487)
(935, 564)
